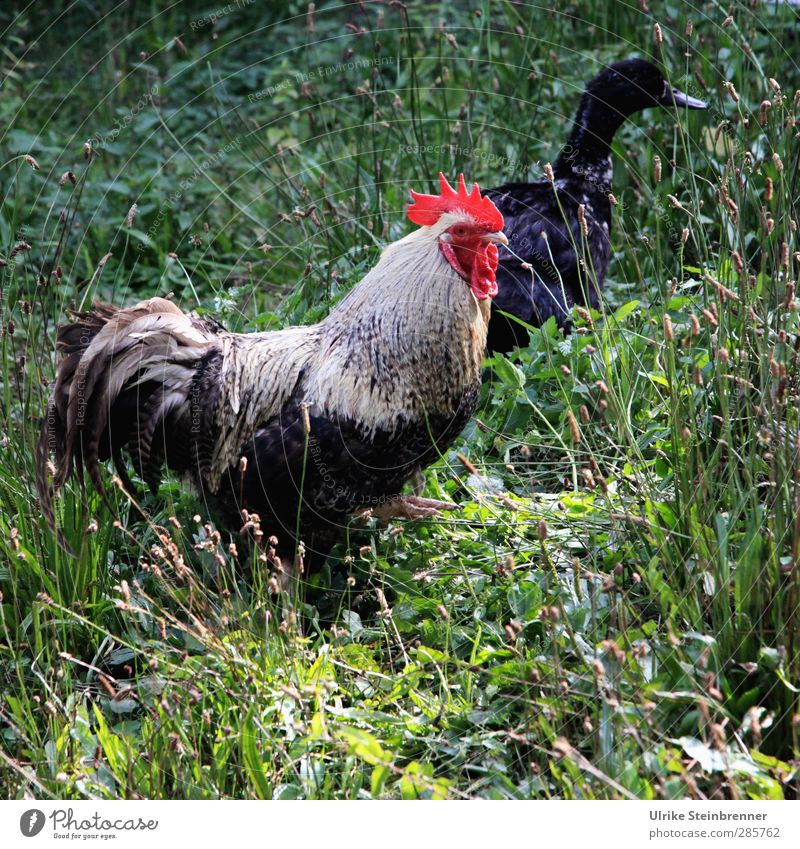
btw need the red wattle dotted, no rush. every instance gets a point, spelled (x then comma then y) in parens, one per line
(475, 263)
(482, 276)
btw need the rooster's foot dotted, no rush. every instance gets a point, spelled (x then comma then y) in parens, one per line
(410, 507)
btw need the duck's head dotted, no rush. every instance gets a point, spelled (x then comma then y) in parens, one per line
(629, 86)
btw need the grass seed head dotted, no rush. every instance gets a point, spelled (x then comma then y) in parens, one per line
(732, 92)
(582, 219)
(573, 426)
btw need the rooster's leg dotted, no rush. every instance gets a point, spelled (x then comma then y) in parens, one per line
(410, 507)
(417, 482)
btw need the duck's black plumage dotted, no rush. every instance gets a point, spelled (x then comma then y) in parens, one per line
(542, 218)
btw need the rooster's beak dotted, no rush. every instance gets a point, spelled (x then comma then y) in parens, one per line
(499, 236)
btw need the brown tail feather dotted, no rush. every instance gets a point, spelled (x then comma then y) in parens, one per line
(143, 358)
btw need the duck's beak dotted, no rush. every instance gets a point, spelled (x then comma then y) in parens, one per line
(679, 98)
(499, 236)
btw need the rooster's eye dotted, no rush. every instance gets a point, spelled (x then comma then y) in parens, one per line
(461, 231)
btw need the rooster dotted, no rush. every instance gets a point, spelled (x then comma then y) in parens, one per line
(304, 426)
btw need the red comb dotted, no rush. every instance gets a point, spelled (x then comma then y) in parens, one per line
(426, 209)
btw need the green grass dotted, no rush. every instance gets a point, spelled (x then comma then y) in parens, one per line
(612, 615)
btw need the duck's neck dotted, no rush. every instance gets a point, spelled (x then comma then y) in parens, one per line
(587, 153)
